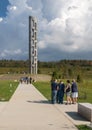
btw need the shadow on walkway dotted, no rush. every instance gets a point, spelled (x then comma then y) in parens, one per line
(75, 116)
(41, 101)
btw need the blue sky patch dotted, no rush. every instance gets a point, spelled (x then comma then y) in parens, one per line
(3, 7)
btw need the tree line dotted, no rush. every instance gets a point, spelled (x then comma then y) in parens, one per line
(59, 69)
(44, 64)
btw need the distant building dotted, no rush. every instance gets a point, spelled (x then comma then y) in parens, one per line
(32, 45)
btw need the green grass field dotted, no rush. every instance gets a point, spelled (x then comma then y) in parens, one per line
(83, 127)
(44, 88)
(85, 90)
(7, 88)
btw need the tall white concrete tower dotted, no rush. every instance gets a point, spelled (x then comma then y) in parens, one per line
(32, 45)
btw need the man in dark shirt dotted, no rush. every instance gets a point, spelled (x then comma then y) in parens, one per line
(74, 89)
(61, 92)
(53, 91)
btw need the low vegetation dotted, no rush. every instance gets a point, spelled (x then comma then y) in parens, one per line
(62, 69)
(7, 88)
(85, 90)
(44, 88)
(83, 127)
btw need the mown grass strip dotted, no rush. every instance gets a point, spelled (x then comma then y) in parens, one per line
(7, 88)
(83, 127)
(44, 88)
(85, 90)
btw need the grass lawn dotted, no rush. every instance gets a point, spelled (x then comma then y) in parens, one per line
(7, 88)
(44, 88)
(85, 90)
(83, 127)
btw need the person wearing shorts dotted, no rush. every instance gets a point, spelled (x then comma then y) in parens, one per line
(68, 92)
(74, 89)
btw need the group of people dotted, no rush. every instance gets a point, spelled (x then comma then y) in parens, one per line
(26, 80)
(70, 89)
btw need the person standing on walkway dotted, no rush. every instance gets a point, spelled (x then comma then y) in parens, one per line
(30, 80)
(54, 88)
(68, 92)
(61, 88)
(74, 89)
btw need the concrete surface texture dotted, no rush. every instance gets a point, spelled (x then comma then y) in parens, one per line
(28, 109)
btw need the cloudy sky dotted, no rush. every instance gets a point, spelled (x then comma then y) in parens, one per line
(64, 29)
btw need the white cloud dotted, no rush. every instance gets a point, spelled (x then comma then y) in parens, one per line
(70, 26)
(10, 52)
(28, 7)
(1, 19)
(13, 8)
(41, 45)
(64, 26)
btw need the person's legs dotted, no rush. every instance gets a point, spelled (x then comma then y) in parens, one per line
(61, 97)
(74, 97)
(57, 98)
(54, 96)
(69, 101)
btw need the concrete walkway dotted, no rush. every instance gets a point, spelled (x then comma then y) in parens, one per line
(28, 109)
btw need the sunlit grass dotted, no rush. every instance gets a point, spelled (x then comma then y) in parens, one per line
(83, 127)
(7, 88)
(85, 90)
(44, 88)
